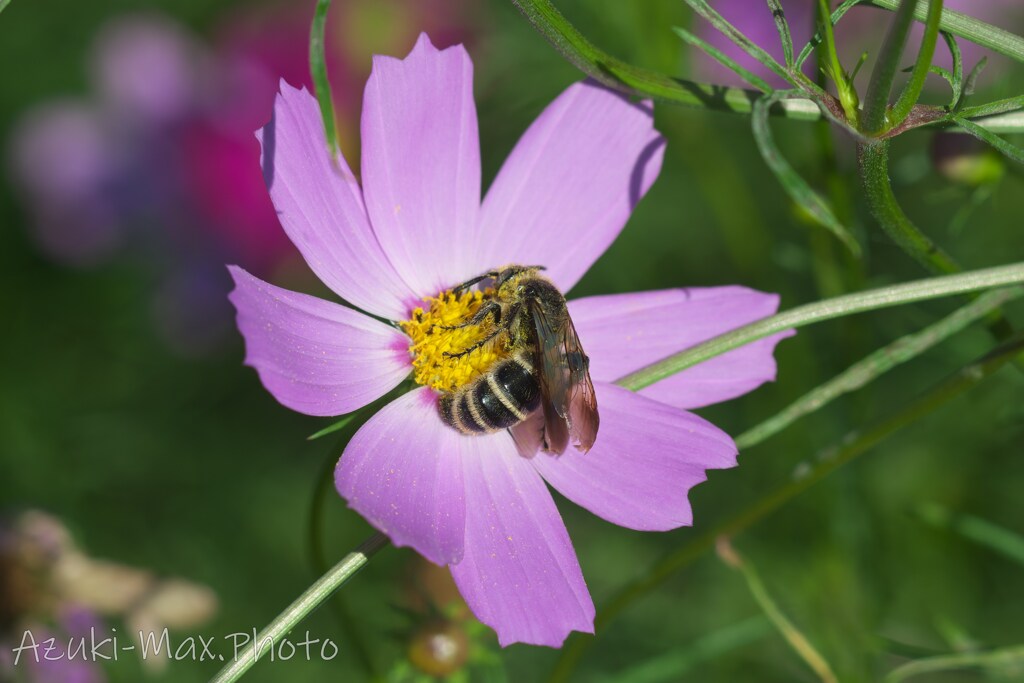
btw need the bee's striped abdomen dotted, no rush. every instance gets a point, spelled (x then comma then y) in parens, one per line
(499, 399)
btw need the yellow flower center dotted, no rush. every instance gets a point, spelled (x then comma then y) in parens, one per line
(438, 345)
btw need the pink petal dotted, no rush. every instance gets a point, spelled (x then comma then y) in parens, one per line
(320, 206)
(519, 573)
(647, 457)
(571, 183)
(402, 471)
(315, 356)
(421, 164)
(624, 332)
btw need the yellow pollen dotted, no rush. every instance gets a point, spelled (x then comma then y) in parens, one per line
(431, 340)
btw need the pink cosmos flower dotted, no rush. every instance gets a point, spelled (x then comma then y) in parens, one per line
(415, 227)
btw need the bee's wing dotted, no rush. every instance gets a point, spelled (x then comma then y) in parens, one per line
(567, 393)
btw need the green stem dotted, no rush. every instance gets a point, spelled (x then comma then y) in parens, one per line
(873, 160)
(796, 639)
(968, 28)
(313, 597)
(876, 100)
(318, 69)
(908, 98)
(1009, 657)
(849, 447)
(878, 363)
(827, 309)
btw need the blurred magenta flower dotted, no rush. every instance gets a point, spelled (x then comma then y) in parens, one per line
(159, 162)
(862, 29)
(414, 227)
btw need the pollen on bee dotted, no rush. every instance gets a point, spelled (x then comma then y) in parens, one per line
(434, 335)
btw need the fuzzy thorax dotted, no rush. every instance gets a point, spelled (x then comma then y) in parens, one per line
(432, 338)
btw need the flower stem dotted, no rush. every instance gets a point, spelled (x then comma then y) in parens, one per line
(873, 160)
(313, 597)
(876, 100)
(878, 363)
(912, 91)
(827, 309)
(797, 640)
(848, 448)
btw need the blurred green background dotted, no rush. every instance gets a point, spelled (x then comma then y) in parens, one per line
(181, 463)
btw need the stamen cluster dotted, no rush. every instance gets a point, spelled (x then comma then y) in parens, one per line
(436, 340)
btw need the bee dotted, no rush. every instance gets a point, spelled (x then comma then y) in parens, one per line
(542, 392)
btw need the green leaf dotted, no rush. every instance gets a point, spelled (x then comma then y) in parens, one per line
(992, 536)
(3, 4)
(1007, 149)
(335, 427)
(958, 69)
(795, 186)
(972, 77)
(968, 28)
(750, 77)
(819, 35)
(318, 68)
(782, 26)
(702, 8)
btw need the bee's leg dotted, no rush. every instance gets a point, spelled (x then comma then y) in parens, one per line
(459, 289)
(489, 308)
(475, 346)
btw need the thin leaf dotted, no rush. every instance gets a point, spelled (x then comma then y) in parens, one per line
(3, 4)
(750, 77)
(972, 77)
(795, 186)
(702, 8)
(1007, 149)
(318, 68)
(958, 68)
(980, 531)
(819, 36)
(782, 26)
(335, 427)
(1010, 104)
